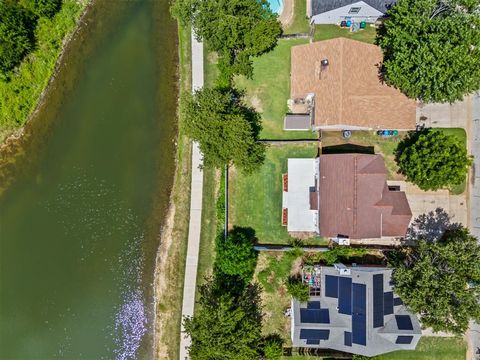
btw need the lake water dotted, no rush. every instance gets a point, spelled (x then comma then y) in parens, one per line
(79, 224)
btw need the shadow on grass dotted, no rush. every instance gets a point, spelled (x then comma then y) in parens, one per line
(347, 149)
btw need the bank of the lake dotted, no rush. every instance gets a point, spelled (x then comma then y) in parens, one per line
(79, 223)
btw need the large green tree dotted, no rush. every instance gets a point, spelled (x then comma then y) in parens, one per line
(17, 27)
(236, 29)
(235, 254)
(433, 160)
(432, 48)
(226, 326)
(227, 130)
(437, 280)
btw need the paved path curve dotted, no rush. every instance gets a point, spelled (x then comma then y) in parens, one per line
(196, 194)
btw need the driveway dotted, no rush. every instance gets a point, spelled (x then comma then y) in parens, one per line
(454, 115)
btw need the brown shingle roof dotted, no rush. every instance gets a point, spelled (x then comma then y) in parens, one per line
(355, 200)
(348, 91)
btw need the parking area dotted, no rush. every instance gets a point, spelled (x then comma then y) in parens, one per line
(438, 115)
(422, 202)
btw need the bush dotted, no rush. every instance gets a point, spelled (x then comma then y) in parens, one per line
(432, 160)
(298, 289)
(235, 254)
(17, 27)
(43, 8)
(273, 347)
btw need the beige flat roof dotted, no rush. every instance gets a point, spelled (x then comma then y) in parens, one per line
(348, 91)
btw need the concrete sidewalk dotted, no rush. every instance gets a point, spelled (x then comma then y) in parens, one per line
(196, 195)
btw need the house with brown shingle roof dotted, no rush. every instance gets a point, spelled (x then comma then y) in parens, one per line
(344, 195)
(336, 84)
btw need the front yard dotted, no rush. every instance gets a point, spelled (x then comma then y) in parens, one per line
(431, 348)
(256, 200)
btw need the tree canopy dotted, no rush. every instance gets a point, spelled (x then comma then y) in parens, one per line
(236, 29)
(227, 130)
(43, 8)
(436, 279)
(226, 326)
(433, 160)
(432, 48)
(235, 254)
(17, 27)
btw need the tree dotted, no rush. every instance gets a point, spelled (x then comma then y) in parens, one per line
(434, 279)
(236, 29)
(225, 326)
(16, 34)
(226, 129)
(235, 254)
(298, 289)
(433, 160)
(43, 8)
(272, 347)
(432, 48)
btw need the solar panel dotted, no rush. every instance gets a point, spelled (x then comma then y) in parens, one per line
(315, 316)
(377, 300)
(359, 317)
(347, 337)
(331, 286)
(397, 301)
(345, 295)
(404, 322)
(388, 303)
(313, 342)
(314, 334)
(404, 340)
(313, 305)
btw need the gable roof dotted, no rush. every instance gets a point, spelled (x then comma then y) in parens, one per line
(348, 90)
(321, 6)
(356, 313)
(355, 200)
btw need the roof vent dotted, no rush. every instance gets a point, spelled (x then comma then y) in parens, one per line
(342, 269)
(324, 63)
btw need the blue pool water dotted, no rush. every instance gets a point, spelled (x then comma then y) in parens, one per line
(276, 5)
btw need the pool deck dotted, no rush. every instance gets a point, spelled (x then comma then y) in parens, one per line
(286, 16)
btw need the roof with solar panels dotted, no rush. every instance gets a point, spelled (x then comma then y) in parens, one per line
(353, 309)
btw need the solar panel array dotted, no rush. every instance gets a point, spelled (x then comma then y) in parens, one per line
(314, 334)
(397, 301)
(331, 286)
(378, 300)
(388, 303)
(347, 338)
(345, 295)
(359, 315)
(315, 316)
(404, 322)
(404, 339)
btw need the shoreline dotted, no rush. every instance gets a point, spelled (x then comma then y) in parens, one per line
(10, 146)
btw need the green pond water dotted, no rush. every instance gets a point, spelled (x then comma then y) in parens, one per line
(79, 224)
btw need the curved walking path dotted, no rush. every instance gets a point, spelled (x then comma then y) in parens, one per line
(196, 194)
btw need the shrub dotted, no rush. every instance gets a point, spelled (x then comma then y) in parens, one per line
(298, 289)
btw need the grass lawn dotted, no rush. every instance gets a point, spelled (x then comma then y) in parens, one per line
(272, 271)
(365, 142)
(325, 32)
(299, 22)
(269, 90)
(256, 200)
(431, 348)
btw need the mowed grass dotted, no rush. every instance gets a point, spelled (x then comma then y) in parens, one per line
(299, 22)
(431, 348)
(329, 31)
(269, 90)
(256, 200)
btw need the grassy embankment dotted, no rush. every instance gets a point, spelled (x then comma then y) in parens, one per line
(169, 306)
(20, 95)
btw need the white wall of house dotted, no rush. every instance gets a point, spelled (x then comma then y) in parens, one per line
(365, 13)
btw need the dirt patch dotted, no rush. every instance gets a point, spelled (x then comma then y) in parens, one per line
(256, 103)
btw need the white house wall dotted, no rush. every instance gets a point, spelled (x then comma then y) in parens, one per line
(366, 13)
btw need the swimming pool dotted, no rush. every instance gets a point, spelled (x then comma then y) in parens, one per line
(276, 5)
